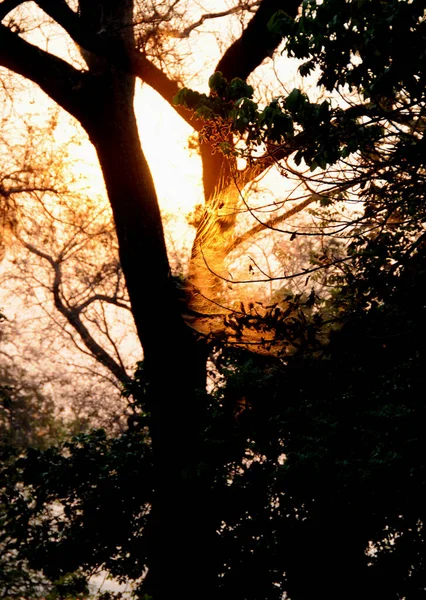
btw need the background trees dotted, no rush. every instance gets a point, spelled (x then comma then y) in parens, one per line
(61, 262)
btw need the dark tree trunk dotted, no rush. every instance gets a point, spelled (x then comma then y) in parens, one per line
(180, 540)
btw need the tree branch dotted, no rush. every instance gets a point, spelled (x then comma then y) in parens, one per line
(167, 88)
(270, 158)
(131, 61)
(7, 6)
(273, 222)
(268, 278)
(59, 11)
(101, 298)
(62, 82)
(72, 315)
(255, 43)
(224, 13)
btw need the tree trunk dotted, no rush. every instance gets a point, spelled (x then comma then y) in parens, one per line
(179, 537)
(175, 364)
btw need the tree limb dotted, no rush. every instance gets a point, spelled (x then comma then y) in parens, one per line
(62, 82)
(131, 61)
(143, 68)
(255, 43)
(7, 6)
(243, 56)
(72, 315)
(59, 11)
(273, 222)
(101, 298)
(224, 13)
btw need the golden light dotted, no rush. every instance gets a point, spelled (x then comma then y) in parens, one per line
(165, 139)
(164, 136)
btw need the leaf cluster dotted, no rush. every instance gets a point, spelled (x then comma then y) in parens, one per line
(77, 505)
(326, 133)
(377, 48)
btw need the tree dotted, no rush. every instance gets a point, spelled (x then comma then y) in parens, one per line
(61, 277)
(28, 419)
(101, 99)
(317, 480)
(370, 142)
(349, 432)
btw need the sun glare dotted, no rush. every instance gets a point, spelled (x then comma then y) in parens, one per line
(165, 137)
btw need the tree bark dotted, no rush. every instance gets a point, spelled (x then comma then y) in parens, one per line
(175, 367)
(174, 363)
(209, 252)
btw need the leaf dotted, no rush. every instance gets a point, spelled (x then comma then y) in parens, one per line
(280, 24)
(325, 201)
(239, 89)
(306, 68)
(217, 83)
(298, 157)
(204, 112)
(293, 101)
